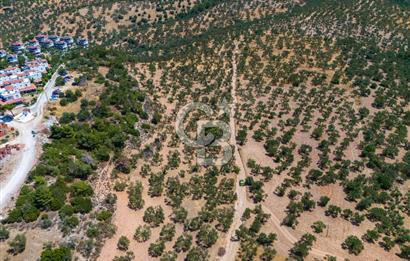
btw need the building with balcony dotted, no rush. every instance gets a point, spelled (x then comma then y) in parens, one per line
(10, 70)
(4, 78)
(32, 42)
(12, 59)
(68, 39)
(40, 38)
(35, 49)
(17, 47)
(54, 38)
(61, 45)
(16, 83)
(34, 76)
(8, 96)
(47, 44)
(39, 65)
(82, 42)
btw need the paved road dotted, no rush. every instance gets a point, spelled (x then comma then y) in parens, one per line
(10, 186)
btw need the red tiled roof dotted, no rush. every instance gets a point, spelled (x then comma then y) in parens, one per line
(31, 87)
(11, 102)
(25, 73)
(12, 81)
(10, 68)
(38, 61)
(32, 65)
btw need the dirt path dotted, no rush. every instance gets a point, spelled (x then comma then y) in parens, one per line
(283, 230)
(27, 157)
(240, 204)
(293, 239)
(242, 201)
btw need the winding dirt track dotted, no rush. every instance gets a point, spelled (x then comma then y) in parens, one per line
(242, 201)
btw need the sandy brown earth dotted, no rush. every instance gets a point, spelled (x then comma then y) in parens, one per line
(90, 92)
(338, 229)
(36, 238)
(114, 18)
(328, 242)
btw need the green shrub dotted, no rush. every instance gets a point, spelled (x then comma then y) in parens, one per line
(56, 254)
(82, 204)
(123, 243)
(18, 244)
(4, 233)
(104, 215)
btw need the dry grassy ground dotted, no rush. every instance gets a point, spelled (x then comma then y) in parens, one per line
(309, 98)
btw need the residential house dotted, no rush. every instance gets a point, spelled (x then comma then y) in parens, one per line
(54, 38)
(47, 44)
(39, 65)
(10, 70)
(61, 45)
(12, 59)
(3, 53)
(34, 49)
(34, 76)
(17, 47)
(38, 61)
(68, 39)
(36, 67)
(5, 77)
(8, 96)
(82, 42)
(40, 38)
(27, 89)
(22, 85)
(16, 83)
(32, 42)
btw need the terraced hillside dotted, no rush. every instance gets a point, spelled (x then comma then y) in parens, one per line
(316, 96)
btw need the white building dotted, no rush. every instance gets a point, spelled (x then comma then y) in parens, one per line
(9, 96)
(39, 65)
(34, 76)
(10, 70)
(6, 78)
(17, 83)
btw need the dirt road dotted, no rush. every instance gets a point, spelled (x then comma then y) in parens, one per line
(240, 204)
(242, 201)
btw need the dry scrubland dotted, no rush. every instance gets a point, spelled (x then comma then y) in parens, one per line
(98, 20)
(322, 126)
